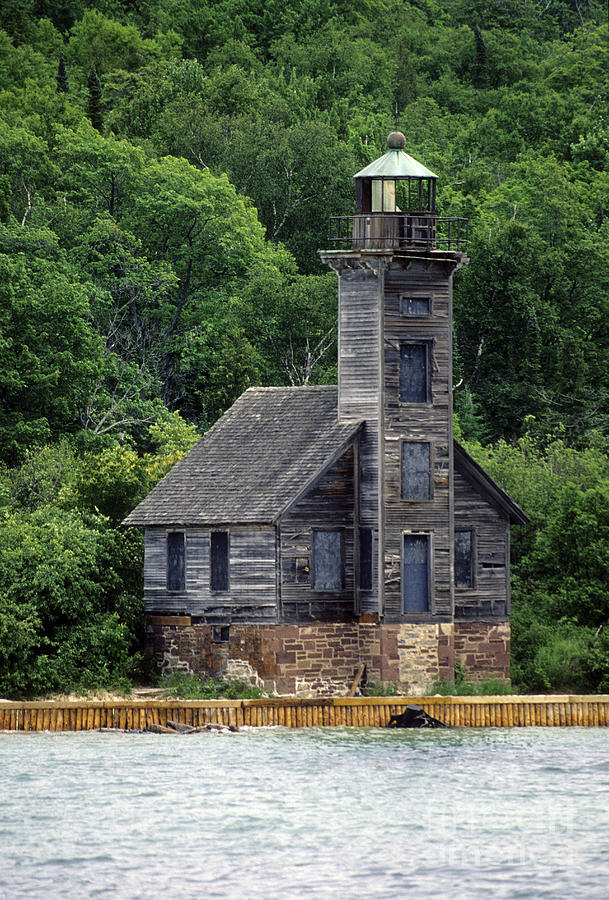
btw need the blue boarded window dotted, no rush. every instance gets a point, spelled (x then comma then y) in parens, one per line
(176, 560)
(415, 370)
(416, 470)
(327, 560)
(415, 569)
(218, 578)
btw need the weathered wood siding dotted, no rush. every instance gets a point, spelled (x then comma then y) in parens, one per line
(424, 422)
(359, 379)
(489, 595)
(328, 505)
(252, 589)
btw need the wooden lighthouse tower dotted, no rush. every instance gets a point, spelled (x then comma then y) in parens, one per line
(395, 259)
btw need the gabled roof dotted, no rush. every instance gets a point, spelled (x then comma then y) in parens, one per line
(485, 485)
(254, 462)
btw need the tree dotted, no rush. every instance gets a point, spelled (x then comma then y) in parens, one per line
(63, 85)
(94, 106)
(50, 355)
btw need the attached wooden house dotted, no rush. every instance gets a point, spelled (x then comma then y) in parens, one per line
(316, 529)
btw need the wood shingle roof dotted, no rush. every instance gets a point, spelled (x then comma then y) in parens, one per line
(254, 462)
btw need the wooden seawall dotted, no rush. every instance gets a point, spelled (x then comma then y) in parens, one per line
(476, 712)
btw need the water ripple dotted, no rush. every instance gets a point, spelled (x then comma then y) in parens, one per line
(336, 813)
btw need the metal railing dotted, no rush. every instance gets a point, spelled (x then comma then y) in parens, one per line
(397, 231)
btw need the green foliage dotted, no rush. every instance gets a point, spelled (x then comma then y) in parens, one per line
(50, 354)
(62, 595)
(461, 687)
(560, 596)
(380, 689)
(63, 84)
(188, 687)
(94, 104)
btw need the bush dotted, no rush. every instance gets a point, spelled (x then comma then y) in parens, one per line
(68, 619)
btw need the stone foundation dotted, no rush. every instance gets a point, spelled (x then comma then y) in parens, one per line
(322, 660)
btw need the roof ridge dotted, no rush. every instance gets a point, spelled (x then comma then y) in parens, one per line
(293, 387)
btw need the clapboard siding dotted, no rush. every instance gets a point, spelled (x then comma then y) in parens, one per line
(328, 505)
(251, 595)
(489, 595)
(359, 379)
(423, 422)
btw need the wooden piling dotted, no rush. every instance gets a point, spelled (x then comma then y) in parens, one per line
(293, 712)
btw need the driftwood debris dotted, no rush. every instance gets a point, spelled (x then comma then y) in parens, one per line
(174, 727)
(414, 717)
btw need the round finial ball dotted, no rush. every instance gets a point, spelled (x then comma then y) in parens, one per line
(396, 141)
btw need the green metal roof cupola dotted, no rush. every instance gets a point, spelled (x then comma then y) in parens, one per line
(395, 183)
(395, 208)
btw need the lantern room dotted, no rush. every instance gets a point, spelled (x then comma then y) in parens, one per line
(395, 183)
(395, 208)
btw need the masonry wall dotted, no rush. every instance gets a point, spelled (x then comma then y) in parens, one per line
(322, 659)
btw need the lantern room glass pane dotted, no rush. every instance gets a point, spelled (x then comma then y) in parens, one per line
(383, 195)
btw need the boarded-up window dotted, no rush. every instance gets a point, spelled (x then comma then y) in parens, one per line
(365, 559)
(416, 306)
(176, 579)
(463, 558)
(415, 586)
(416, 470)
(296, 570)
(218, 580)
(415, 373)
(327, 560)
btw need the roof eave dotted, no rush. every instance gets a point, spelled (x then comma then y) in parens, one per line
(333, 458)
(483, 481)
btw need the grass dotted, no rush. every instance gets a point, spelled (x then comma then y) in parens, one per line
(380, 689)
(461, 687)
(188, 687)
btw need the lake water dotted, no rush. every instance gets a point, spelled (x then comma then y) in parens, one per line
(312, 813)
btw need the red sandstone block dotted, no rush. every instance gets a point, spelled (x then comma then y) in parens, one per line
(285, 632)
(283, 658)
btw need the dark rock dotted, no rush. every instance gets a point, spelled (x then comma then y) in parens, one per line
(414, 717)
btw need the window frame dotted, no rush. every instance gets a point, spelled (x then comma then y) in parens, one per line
(428, 345)
(412, 315)
(170, 589)
(213, 587)
(327, 590)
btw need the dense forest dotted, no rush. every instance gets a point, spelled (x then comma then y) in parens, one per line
(167, 170)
